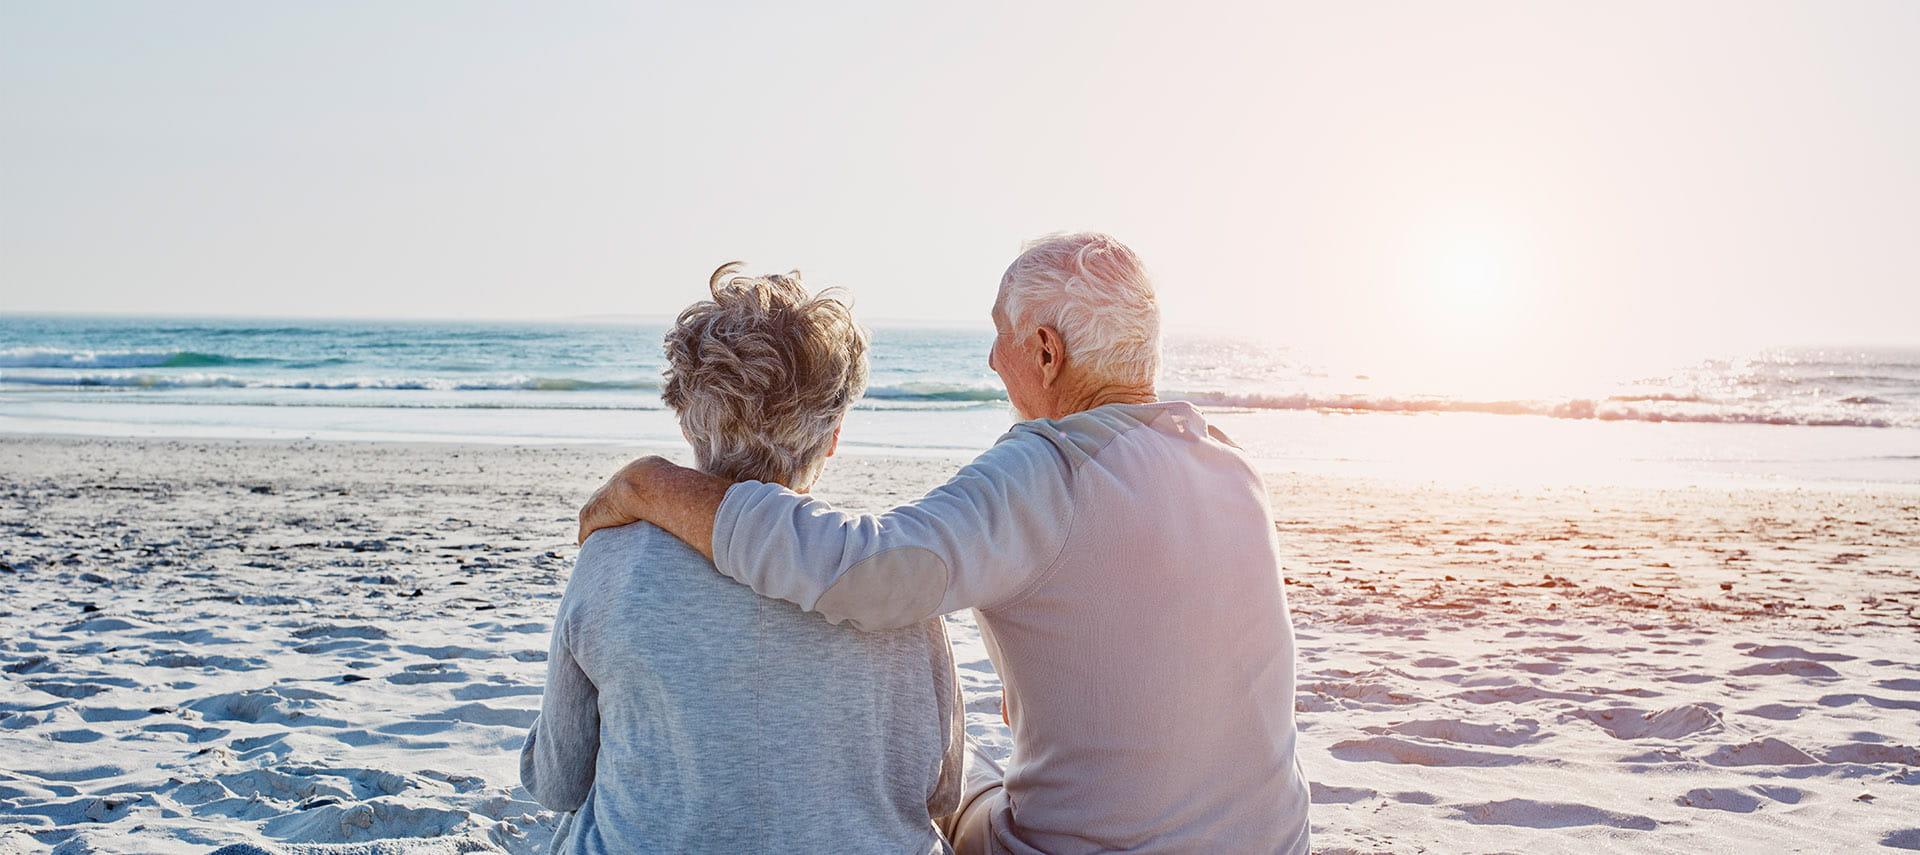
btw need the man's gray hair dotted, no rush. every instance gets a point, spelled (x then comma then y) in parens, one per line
(1095, 291)
(762, 374)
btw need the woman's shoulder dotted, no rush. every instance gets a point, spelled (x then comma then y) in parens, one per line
(641, 541)
(625, 563)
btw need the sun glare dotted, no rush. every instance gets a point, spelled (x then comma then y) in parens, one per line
(1462, 322)
(1467, 285)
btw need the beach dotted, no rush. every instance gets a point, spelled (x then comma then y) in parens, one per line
(216, 641)
(1567, 341)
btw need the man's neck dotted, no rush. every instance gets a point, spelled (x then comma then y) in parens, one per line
(1100, 395)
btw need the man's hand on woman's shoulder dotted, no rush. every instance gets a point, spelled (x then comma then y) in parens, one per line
(617, 502)
(683, 501)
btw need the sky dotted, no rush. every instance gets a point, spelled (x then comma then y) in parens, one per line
(1464, 184)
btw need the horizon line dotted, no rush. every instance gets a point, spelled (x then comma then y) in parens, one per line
(602, 318)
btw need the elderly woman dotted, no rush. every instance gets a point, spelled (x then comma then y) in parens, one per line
(682, 711)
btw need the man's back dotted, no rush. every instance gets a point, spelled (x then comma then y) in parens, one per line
(729, 722)
(1167, 586)
(1122, 564)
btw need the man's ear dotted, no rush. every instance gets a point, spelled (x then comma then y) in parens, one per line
(836, 443)
(1052, 354)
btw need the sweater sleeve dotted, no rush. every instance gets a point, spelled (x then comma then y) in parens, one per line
(979, 540)
(557, 762)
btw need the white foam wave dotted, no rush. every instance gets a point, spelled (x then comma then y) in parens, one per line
(130, 381)
(229, 381)
(49, 357)
(1842, 413)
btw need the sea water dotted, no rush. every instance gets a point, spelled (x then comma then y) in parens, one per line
(1832, 414)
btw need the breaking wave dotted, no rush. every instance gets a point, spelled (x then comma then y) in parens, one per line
(1648, 408)
(47, 357)
(934, 392)
(229, 381)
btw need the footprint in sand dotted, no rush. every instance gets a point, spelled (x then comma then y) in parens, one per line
(94, 715)
(193, 637)
(450, 652)
(1780, 793)
(1670, 723)
(364, 738)
(89, 773)
(286, 705)
(77, 688)
(460, 783)
(1367, 690)
(1323, 794)
(23, 716)
(367, 783)
(76, 735)
(183, 659)
(14, 787)
(36, 664)
(489, 691)
(1793, 667)
(275, 784)
(1738, 800)
(1873, 753)
(1520, 732)
(1692, 679)
(1386, 749)
(1882, 703)
(428, 672)
(482, 714)
(473, 713)
(190, 733)
(1517, 695)
(198, 792)
(1534, 814)
(1788, 651)
(104, 624)
(253, 743)
(353, 644)
(327, 630)
(529, 627)
(1763, 752)
(1776, 712)
(369, 820)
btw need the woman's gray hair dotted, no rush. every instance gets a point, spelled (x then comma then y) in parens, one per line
(762, 374)
(1095, 291)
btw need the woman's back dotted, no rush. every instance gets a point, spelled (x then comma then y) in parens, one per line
(731, 722)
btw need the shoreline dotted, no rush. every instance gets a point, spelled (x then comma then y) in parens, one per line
(1643, 475)
(215, 641)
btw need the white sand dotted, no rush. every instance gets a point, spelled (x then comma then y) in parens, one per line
(208, 642)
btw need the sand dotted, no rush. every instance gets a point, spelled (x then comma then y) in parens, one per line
(214, 642)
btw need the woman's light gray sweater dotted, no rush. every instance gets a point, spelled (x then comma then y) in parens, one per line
(685, 713)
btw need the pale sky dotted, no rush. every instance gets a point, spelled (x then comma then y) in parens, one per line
(1499, 179)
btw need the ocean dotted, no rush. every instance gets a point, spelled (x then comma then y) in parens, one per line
(1784, 415)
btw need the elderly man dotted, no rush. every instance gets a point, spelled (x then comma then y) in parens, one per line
(1118, 553)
